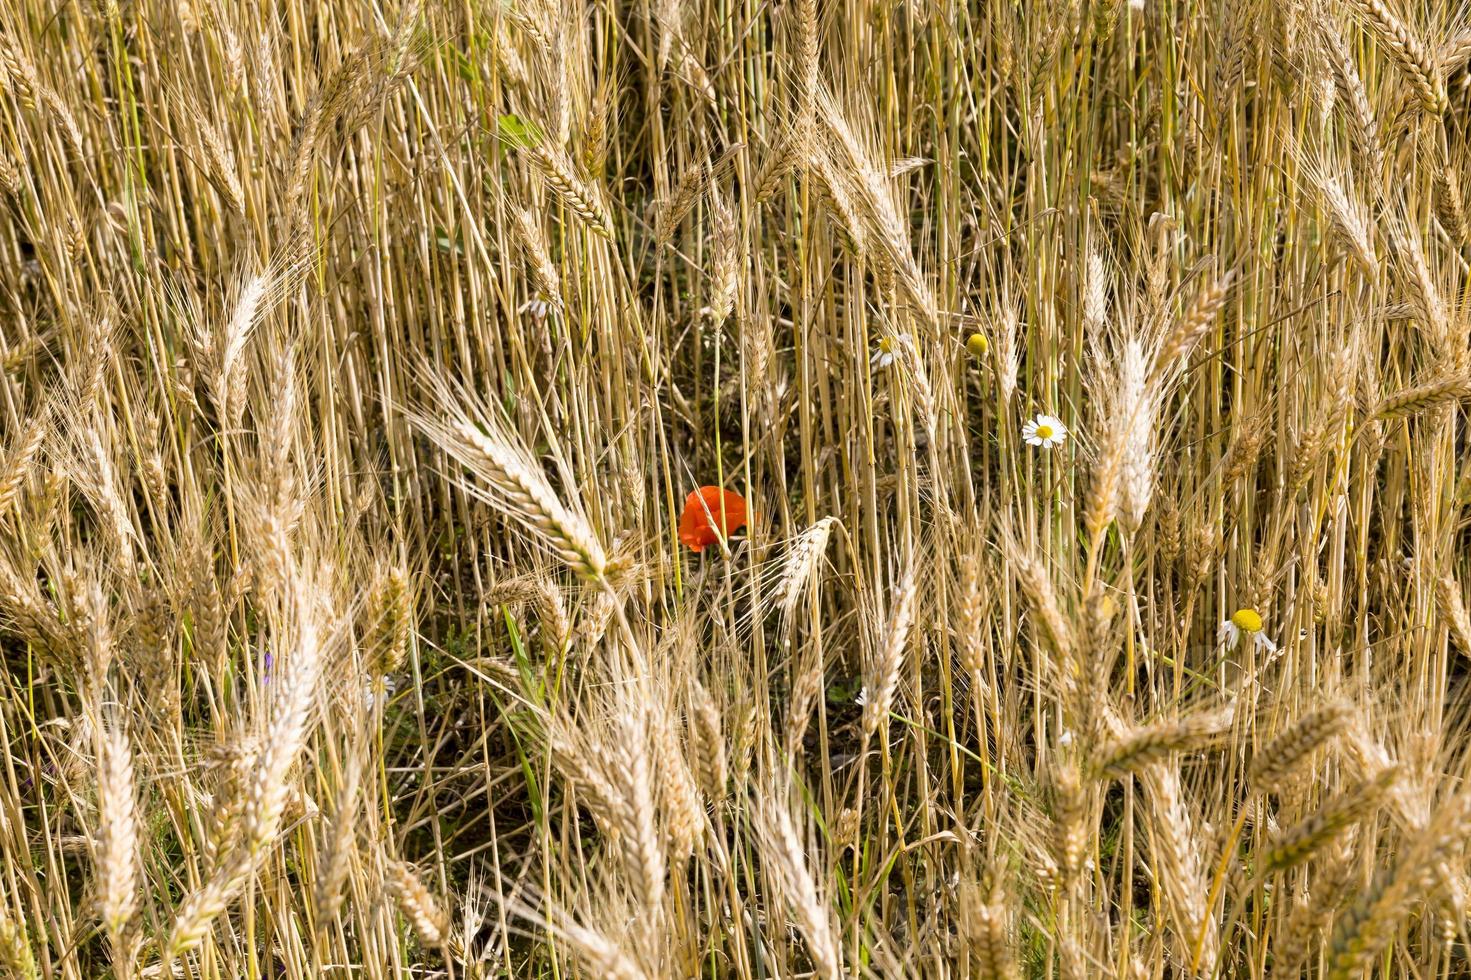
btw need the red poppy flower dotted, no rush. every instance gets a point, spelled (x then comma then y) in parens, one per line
(710, 515)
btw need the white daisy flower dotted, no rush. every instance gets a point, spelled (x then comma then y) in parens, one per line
(1045, 431)
(884, 356)
(379, 690)
(1246, 623)
(862, 699)
(536, 306)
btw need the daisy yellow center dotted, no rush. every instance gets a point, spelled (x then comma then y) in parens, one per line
(977, 345)
(886, 345)
(1247, 619)
(1044, 431)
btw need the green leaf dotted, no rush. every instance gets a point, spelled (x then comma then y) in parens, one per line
(518, 132)
(463, 66)
(843, 689)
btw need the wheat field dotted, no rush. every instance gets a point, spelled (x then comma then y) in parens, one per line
(1077, 587)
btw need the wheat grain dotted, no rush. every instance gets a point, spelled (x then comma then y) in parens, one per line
(15, 952)
(985, 928)
(337, 848)
(1287, 751)
(1453, 610)
(416, 904)
(1363, 930)
(797, 887)
(17, 466)
(117, 838)
(518, 486)
(677, 793)
(1300, 842)
(882, 679)
(708, 745)
(1407, 51)
(1424, 398)
(1188, 330)
(1179, 869)
(581, 198)
(1143, 747)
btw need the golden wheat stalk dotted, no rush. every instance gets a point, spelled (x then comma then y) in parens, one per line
(1291, 847)
(707, 745)
(16, 468)
(118, 838)
(1363, 930)
(581, 198)
(15, 951)
(882, 679)
(1271, 766)
(1453, 610)
(985, 927)
(266, 789)
(797, 888)
(337, 851)
(417, 904)
(1191, 327)
(511, 481)
(1407, 51)
(1424, 398)
(1143, 747)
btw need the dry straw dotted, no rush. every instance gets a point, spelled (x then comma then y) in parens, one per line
(355, 364)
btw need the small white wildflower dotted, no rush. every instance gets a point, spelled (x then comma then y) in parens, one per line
(536, 306)
(1044, 431)
(1246, 623)
(378, 690)
(862, 699)
(884, 355)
